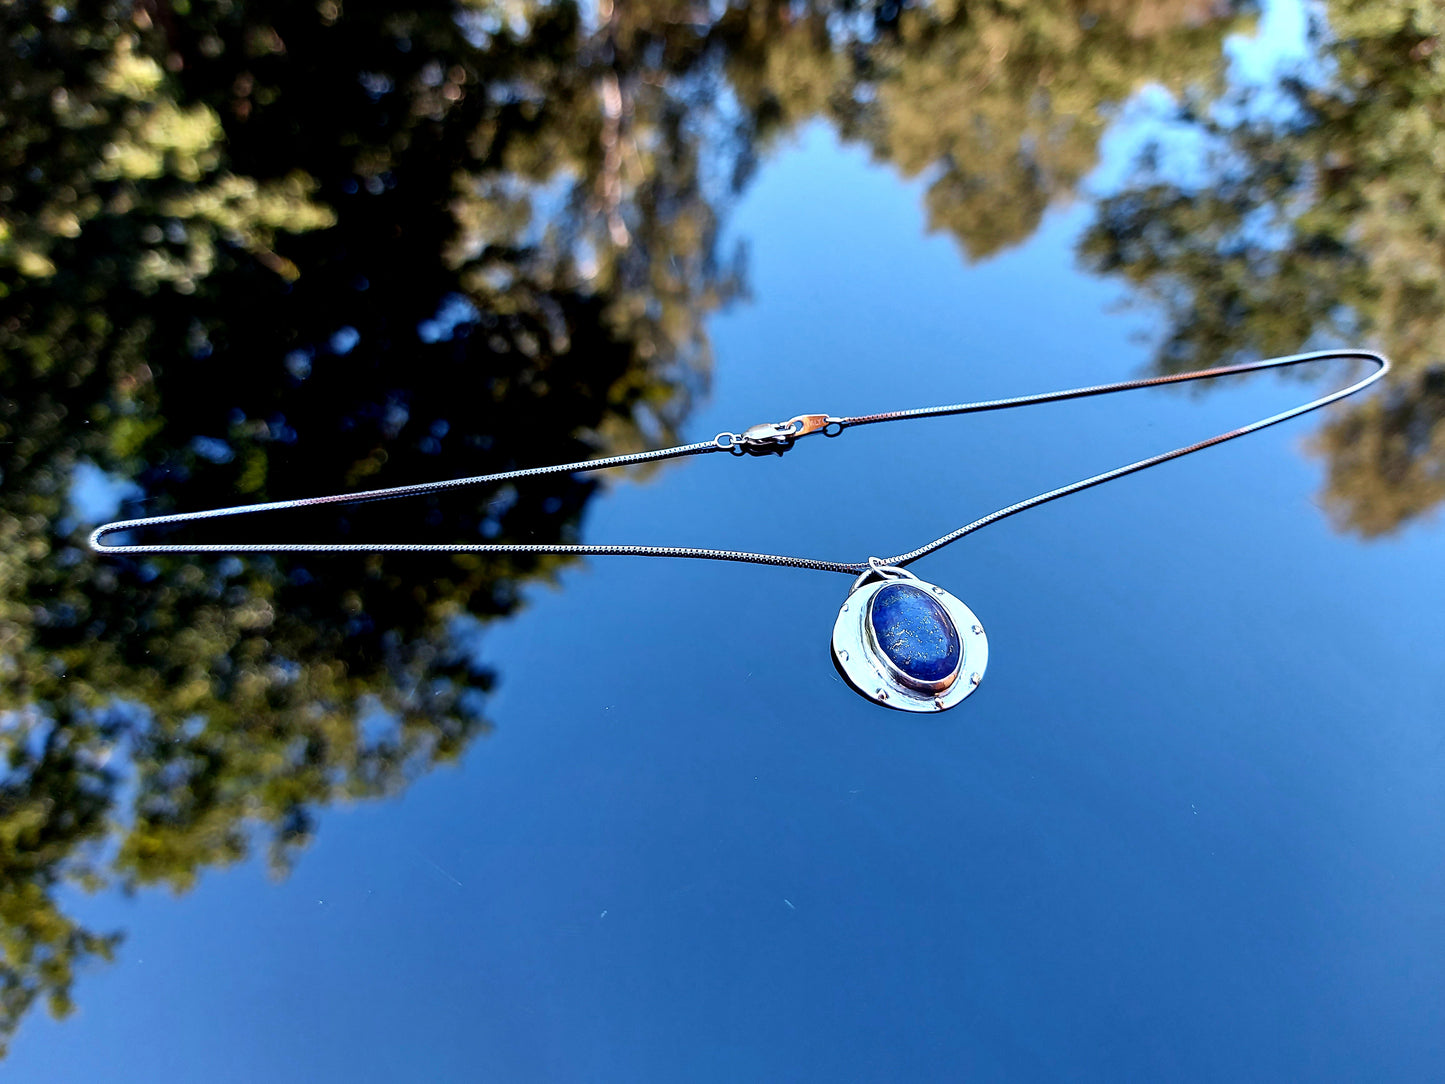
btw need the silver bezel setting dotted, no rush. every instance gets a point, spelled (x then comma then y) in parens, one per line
(874, 676)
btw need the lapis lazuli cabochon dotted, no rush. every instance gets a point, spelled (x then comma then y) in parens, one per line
(915, 632)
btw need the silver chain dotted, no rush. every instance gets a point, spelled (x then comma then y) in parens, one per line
(766, 439)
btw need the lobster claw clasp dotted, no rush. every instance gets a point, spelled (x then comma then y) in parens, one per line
(775, 438)
(769, 438)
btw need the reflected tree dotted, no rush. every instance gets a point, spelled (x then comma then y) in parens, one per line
(1001, 105)
(1315, 217)
(253, 249)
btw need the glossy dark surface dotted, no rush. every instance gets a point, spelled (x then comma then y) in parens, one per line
(429, 819)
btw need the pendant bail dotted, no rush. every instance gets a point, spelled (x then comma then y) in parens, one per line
(877, 569)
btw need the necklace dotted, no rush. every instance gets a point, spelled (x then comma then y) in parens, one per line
(897, 640)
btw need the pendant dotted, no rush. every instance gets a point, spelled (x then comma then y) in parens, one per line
(904, 643)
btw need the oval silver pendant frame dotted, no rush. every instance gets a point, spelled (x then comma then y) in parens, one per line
(874, 676)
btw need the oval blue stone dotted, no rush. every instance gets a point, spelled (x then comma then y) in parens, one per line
(915, 632)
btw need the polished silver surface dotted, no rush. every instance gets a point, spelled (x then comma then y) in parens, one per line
(873, 675)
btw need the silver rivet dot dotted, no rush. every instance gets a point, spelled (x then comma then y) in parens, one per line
(881, 694)
(845, 607)
(973, 679)
(978, 629)
(842, 655)
(938, 590)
